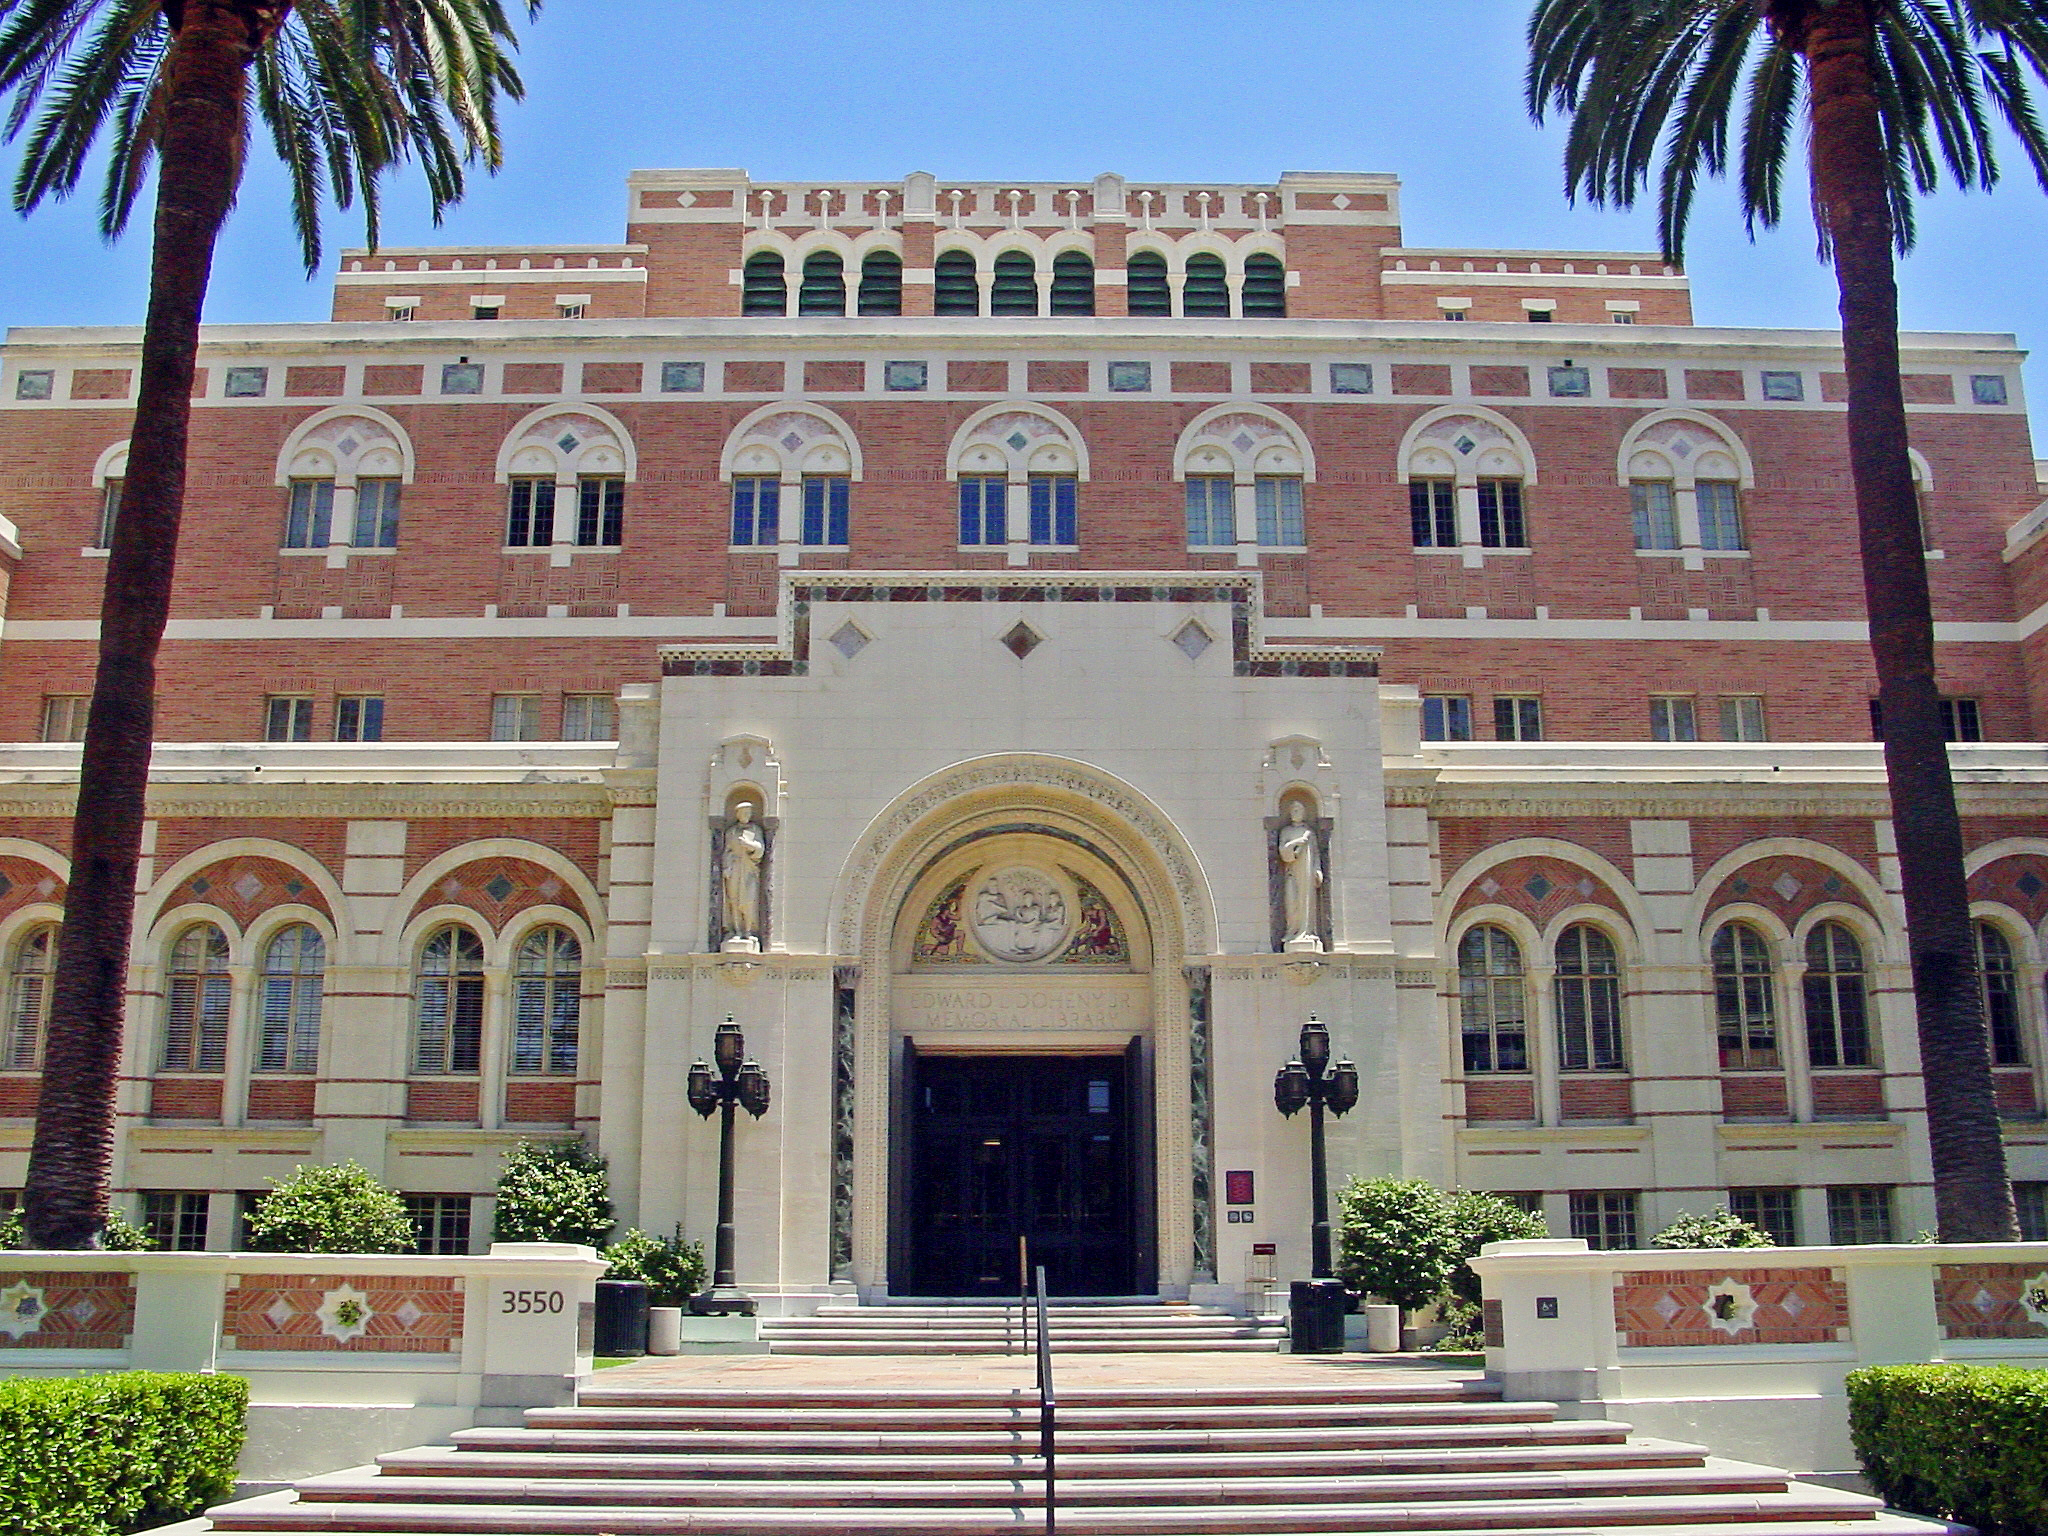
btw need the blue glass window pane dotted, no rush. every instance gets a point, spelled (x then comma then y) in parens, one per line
(1052, 509)
(756, 504)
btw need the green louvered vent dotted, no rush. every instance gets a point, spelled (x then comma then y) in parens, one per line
(762, 290)
(1206, 291)
(1148, 293)
(824, 287)
(1073, 284)
(881, 284)
(1265, 288)
(1015, 289)
(954, 290)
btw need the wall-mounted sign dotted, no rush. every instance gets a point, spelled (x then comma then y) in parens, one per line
(1237, 1187)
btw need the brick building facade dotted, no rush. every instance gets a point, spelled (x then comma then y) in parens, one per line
(1022, 556)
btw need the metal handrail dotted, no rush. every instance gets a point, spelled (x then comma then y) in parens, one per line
(1048, 1410)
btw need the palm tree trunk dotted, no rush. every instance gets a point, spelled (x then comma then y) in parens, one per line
(1973, 1201)
(200, 164)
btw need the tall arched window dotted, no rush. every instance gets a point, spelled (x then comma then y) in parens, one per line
(28, 997)
(1073, 284)
(1837, 1002)
(1014, 290)
(294, 977)
(1205, 291)
(1745, 1007)
(448, 1003)
(1147, 292)
(881, 284)
(763, 289)
(2001, 982)
(546, 1003)
(197, 991)
(1493, 1018)
(1265, 288)
(1588, 988)
(823, 291)
(955, 289)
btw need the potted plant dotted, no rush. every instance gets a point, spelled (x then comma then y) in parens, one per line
(672, 1270)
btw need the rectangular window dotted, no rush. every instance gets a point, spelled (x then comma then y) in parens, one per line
(110, 509)
(1517, 717)
(1961, 721)
(826, 502)
(246, 1201)
(359, 717)
(287, 717)
(175, 1219)
(1720, 515)
(2031, 1199)
(1212, 519)
(1527, 1200)
(1052, 510)
(1623, 317)
(1605, 1218)
(196, 1022)
(984, 500)
(1672, 718)
(308, 523)
(756, 510)
(530, 520)
(600, 511)
(589, 717)
(376, 514)
(565, 311)
(1446, 717)
(1500, 515)
(402, 313)
(64, 716)
(515, 717)
(1433, 513)
(1775, 1211)
(1859, 1213)
(1742, 717)
(1656, 514)
(440, 1223)
(450, 1021)
(1281, 525)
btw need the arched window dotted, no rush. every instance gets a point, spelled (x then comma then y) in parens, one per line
(294, 976)
(763, 289)
(2001, 982)
(1588, 1002)
(28, 997)
(197, 991)
(1073, 284)
(546, 1003)
(823, 291)
(1720, 515)
(1837, 1004)
(1745, 1008)
(1265, 288)
(881, 284)
(1015, 288)
(448, 1003)
(1493, 1019)
(955, 289)
(1654, 505)
(1147, 292)
(1205, 291)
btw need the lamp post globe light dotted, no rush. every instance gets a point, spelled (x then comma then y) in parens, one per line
(736, 1082)
(1310, 1082)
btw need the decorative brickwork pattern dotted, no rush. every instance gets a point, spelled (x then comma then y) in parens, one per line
(1991, 1301)
(1422, 379)
(1679, 1309)
(611, 378)
(248, 885)
(499, 888)
(443, 1101)
(1539, 887)
(1754, 1096)
(23, 882)
(99, 384)
(1058, 378)
(66, 1309)
(2019, 881)
(1638, 383)
(1596, 1096)
(834, 378)
(978, 377)
(392, 379)
(1712, 384)
(185, 1098)
(1499, 379)
(540, 1103)
(1201, 378)
(1278, 379)
(1848, 1095)
(2015, 1090)
(533, 378)
(399, 1314)
(314, 383)
(18, 1094)
(1509, 1098)
(282, 1100)
(751, 377)
(1785, 886)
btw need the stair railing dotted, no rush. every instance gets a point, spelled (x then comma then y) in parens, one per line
(1048, 1410)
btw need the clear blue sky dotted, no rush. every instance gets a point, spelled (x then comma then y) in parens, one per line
(1193, 91)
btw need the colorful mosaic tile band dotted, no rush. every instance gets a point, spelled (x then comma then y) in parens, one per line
(1992, 1301)
(1681, 1309)
(355, 1314)
(66, 1309)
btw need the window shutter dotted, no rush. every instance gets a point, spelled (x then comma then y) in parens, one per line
(1265, 288)
(1205, 290)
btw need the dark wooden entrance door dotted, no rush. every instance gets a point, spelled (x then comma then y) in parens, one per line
(1038, 1145)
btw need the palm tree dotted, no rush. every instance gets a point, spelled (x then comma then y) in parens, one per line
(1894, 94)
(348, 89)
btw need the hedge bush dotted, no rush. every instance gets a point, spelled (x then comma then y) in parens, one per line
(1396, 1239)
(672, 1270)
(331, 1208)
(553, 1192)
(127, 1451)
(1967, 1443)
(119, 1235)
(1718, 1228)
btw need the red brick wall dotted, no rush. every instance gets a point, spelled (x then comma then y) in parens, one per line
(185, 1098)
(442, 1100)
(1499, 1098)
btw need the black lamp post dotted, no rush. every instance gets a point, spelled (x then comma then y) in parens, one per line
(1310, 1081)
(740, 1082)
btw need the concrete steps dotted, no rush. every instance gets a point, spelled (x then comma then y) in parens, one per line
(1386, 1455)
(977, 1328)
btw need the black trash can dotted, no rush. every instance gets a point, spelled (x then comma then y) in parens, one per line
(1315, 1316)
(622, 1318)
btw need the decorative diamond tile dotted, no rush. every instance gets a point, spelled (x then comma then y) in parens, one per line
(1668, 1307)
(792, 441)
(848, 640)
(452, 887)
(1984, 1301)
(1464, 443)
(201, 886)
(248, 887)
(1538, 887)
(348, 444)
(550, 888)
(409, 1315)
(1490, 886)
(280, 1313)
(1022, 639)
(2028, 884)
(1242, 442)
(1739, 887)
(295, 887)
(6, 885)
(1018, 441)
(1586, 887)
(499, 888)
(1832, 885)
(81, 1312)
(1192, 639)
(1683, 447)
(1341, 200)
(567, 442)
(1786, 887)
(45, 887)
(1794, 1305)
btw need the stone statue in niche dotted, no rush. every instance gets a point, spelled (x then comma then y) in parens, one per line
(743, 849)
(1301, 881)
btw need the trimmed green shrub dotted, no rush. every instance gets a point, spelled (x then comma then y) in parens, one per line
(127, 1451)
(1715, 1229)
(672, 1270)
(119, 1235)
(1396, 1239)
(1479, 1218)
(1967, 1443)
(330, 1208)
(553, 1192)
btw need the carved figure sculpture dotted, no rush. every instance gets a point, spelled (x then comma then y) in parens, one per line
(1301, 880)
(746, 845)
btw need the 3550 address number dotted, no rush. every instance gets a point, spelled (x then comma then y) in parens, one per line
(522, 1303)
